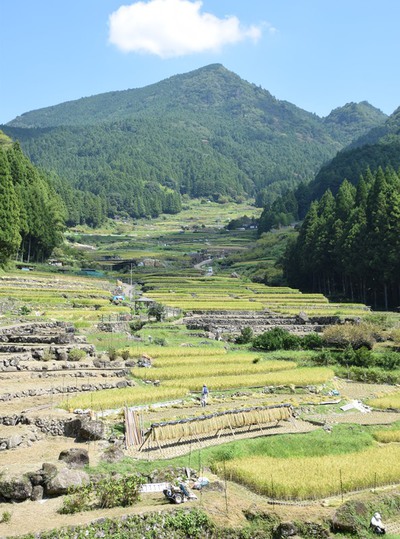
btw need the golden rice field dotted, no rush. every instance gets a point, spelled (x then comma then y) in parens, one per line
(388, 401)
(173, 353)
(316, 477)
(214, 356)
(387, 436)
(178, 388)
(226, 294)
(112, 399)
(213, 369)
(301, 377)
(60, 297)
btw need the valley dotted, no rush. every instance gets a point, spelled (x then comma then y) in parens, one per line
(70, 359)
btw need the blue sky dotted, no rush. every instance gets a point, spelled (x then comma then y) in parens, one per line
(317, 54)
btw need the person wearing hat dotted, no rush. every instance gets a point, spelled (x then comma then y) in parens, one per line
(204, 395)
(376, 524)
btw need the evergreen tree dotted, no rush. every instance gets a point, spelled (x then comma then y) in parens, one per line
(9, 212)
(351, 243)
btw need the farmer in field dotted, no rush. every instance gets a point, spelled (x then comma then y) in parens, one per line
(376, 524)
(204, 395)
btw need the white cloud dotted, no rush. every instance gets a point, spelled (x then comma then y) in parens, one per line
(169, 28)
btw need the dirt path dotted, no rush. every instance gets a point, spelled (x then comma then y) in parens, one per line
(226, 510)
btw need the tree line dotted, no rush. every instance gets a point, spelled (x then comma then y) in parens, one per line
(31, 213)
(378, 148)
(349, 244)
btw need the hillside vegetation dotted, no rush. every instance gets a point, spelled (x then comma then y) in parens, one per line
(207, 133)
(349, 244)
(379, 147)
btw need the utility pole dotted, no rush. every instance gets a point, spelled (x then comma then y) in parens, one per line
(130, 290)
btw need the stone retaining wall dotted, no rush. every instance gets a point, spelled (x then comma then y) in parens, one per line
(231, 323)
(34, 392)
(35, 341)
(49, 426)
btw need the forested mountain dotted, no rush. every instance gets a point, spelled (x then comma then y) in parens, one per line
(31, 213)
(353, 120)
(349, 245)
(379, 147)
(205, 133)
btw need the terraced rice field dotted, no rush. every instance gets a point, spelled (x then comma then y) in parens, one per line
(57, 297)
(303, 478)
(181, 370)
(225, 294)
(391, 401)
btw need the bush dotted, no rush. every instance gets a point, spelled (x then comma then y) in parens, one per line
(112, 354)
(76, 354)
(157, 310)
(372, 376)
(78, 499)
(388, 361)
(160, 341)
(246, 334)
(276, 339)
(122, 492)
(355, 335)
(325, 357)
(191, 523)
(104, 494)
(47, 355)
(136, 325)
(312, 341)
(362, 357)
(5, 517)
(125, 354)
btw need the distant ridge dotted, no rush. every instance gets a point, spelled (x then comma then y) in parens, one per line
(379, 147)
(203, 133)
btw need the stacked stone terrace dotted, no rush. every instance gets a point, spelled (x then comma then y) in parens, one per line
(23, 343)
(37, 373)
(232, 322)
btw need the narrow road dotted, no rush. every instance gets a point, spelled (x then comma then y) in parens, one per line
(203, 263)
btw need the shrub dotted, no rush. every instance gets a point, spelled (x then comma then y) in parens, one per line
(325, 357)
(125, 354)
(395, 336)
(136, 325)
(276, 339)
(78, 499)
(5, 517)
(368, 375)
(192, 524)
(122, 492)
(388, 361)
(362, 357)
(112, 354)
(76, 354)
(246, 334)
(47, 355)
(157, 310)
(312, 341)
(104, 494)
(357, 336)
(160, 341)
